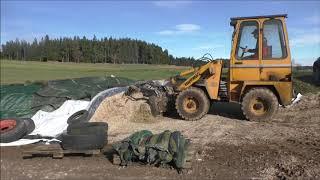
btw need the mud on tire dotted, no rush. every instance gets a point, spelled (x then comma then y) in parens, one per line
(259, 104)
(192, 104)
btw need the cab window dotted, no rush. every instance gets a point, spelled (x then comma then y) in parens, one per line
(248, 46)
(273, 40)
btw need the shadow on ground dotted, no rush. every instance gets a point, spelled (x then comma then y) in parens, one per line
(227, 109)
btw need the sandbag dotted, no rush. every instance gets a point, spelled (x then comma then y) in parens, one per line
(157, 149)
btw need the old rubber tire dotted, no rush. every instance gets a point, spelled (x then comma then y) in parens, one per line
(259, 104)
(192, 104)
(12, 129)
(87, 124)
(87, 128)
(29, 125)
(78, 117)
(83, 142)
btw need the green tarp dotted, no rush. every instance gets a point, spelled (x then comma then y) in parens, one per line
(16, 100)
(24, 100)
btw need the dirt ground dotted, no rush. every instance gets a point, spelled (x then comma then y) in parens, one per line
(228, 147)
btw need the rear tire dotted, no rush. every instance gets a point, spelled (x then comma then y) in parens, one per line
(192, 104)
(259, 104)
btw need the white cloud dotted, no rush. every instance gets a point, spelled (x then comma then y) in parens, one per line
(307, 39)
(208, 47)
(181, 29)
(171, 4)
(187, 27)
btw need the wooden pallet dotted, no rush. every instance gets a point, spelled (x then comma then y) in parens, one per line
(55, 151)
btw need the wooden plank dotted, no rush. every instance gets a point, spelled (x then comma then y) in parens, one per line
(57, 155)
(55, 151)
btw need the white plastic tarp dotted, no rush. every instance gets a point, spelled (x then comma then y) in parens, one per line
(55, 122)
(51, 123)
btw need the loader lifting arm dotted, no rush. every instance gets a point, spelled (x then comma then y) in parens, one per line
(198, 73)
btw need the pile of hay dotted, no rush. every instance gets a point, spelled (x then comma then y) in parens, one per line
(121, 108)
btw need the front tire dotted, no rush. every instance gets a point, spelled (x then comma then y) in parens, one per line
(259, 104)
(192, 104)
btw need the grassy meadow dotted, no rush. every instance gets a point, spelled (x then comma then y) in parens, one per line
(29, 71)
(303, 82)
(13, 72)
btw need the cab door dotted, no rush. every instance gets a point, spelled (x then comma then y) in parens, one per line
(245, 62)
(276, 60)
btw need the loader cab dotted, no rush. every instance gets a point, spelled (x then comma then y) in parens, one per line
(260, 56)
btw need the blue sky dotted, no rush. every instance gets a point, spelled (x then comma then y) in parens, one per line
(185, 28)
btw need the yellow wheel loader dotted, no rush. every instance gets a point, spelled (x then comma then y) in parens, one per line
(259, 74)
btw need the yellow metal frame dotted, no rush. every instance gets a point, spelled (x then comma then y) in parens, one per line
(274, 74)
(209, 72)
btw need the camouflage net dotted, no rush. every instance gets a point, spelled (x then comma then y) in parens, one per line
(166, 148)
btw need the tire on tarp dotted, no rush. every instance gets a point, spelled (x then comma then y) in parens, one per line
(87, 124)
(84, 141)
(12, 129)
(78, 117)
(29, 125)
(87, 128)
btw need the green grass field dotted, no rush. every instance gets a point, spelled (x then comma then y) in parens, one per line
(303, 82)
(21, 72)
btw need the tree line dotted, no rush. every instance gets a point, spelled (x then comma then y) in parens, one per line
(104, 50)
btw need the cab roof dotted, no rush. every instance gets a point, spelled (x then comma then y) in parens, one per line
(258, 17)
(234, 19)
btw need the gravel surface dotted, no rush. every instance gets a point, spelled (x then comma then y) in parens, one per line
(228, 147)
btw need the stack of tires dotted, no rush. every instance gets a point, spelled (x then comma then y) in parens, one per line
(13, 129)
(83, 135)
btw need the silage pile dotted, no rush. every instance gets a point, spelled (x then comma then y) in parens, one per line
(126, 115)
(121, 111)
